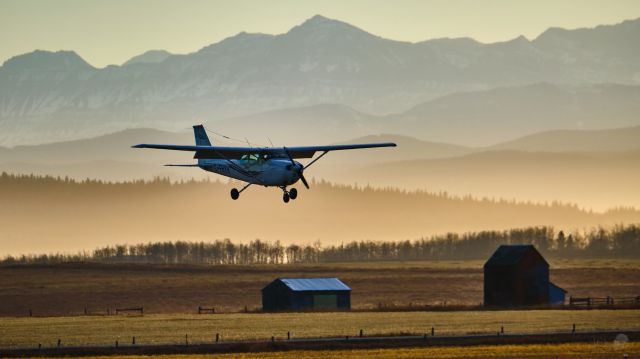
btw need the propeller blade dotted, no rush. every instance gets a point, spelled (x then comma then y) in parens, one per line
(304, 181)
(299, 169)
(286, 150)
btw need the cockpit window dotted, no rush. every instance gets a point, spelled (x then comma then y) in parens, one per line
(253, 157)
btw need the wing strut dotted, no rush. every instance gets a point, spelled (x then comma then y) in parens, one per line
(317, 158)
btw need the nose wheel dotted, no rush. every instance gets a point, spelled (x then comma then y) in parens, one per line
(289, 195)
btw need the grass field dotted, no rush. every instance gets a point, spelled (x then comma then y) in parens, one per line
(63, 290)
(171, 329)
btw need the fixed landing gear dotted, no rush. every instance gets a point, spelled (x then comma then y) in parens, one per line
(287, 195)
(235, 194)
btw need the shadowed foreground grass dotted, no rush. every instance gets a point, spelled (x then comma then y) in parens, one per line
(574, 350)
(171, 329)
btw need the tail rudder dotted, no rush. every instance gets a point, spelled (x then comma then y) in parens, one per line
(201, 136)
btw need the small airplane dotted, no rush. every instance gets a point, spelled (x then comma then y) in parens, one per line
(264, 166)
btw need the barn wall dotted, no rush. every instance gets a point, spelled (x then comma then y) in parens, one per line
(277, 297)
(524, 283)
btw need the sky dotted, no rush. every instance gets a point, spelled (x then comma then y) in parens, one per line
(111, 32)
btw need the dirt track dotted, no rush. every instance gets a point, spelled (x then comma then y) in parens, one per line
(322, 344)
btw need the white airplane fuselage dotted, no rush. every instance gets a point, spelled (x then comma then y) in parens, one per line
(265, 172)
(264, 166)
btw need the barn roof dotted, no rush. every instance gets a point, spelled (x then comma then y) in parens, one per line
(313, 284)
(508, 255)
(552, 285)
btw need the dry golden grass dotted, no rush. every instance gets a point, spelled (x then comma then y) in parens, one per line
(170, 329)
(63, 290)
(574, 350)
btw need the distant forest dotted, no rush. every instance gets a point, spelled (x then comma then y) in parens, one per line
(617, 242)
(50, 215)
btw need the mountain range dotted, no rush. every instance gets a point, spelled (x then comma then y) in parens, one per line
(442, 90)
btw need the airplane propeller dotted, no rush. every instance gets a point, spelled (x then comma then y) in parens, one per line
(298, 168)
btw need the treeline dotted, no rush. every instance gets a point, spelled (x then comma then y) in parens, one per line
(616, 242)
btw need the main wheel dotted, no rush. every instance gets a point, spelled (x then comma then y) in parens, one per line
(235, 194)
(293, 193)
(285, 197)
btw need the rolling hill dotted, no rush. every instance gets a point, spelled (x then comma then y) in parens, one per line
(609, 140)
(58, 215)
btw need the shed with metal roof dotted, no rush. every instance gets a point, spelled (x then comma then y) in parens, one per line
(305, 294)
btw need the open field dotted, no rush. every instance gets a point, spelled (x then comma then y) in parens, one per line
(171, 329)
(63, 290)
(573, 350)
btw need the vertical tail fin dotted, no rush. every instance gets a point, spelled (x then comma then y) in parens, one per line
(201, 136)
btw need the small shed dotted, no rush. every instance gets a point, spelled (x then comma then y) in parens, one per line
(305, 294)
(556, 294)
(516, 275)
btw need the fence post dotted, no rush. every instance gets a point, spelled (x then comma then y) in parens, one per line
(288, 335)
(186, 339)
(433, 331)
(58, 343)
(502, 329)
(360, 333)
(273, 339)
(217, 337)
(116, 343)
(133, 340)
(574, 328)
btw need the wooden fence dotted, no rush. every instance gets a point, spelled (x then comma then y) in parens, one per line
(604, 302)
(204, 310)
(130, 310)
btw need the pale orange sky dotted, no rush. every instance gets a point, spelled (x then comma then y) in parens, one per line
(111, 32)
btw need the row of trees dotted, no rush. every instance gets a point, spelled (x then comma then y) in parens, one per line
(616, 242)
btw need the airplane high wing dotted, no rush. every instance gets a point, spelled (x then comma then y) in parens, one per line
(216, 152)
(264, 166)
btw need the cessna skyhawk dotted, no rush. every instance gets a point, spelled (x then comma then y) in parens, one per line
(264, 166)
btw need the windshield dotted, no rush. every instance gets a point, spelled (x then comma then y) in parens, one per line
(252, 157)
